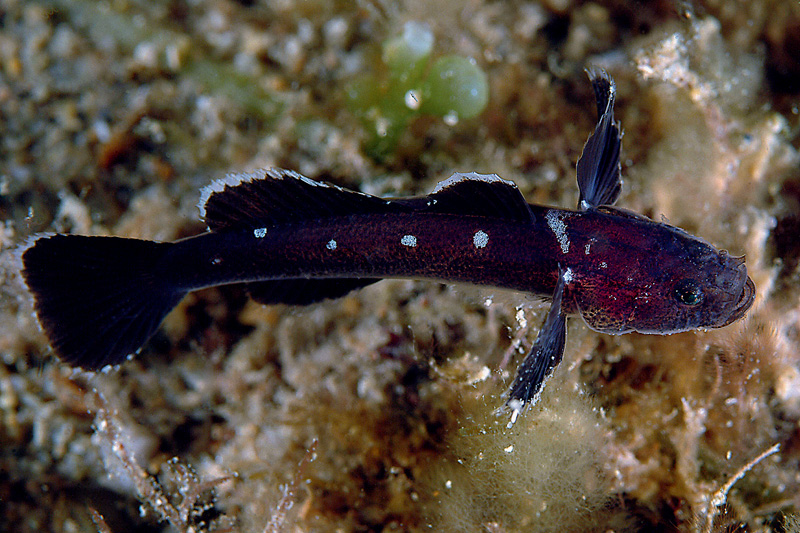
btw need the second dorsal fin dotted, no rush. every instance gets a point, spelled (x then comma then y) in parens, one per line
(474, 194)
(269, 197)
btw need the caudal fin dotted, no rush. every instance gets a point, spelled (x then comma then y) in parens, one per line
(98, 299)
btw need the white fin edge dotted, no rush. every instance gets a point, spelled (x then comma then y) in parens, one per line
(458, 177)
(237, 178)
(234, 179)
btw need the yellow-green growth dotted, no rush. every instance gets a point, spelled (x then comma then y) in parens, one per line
(550, 473)
(453, 88)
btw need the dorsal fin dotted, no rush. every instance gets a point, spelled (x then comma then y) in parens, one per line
(269, 197)
(599, 172)
(474, 194)
(276, 196)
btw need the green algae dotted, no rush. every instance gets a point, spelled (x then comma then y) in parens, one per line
(452, 88)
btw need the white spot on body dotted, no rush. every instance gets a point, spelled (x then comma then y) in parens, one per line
(260, 233)
(331, 245)
(409, 240)
(568, 276)
(216, 261)
(555, 220)
(603, 264)
(480, 239)
(587, 248)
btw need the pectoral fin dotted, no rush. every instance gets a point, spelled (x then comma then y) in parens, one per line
(545, 355)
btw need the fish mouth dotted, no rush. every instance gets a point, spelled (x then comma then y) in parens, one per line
(744, 303)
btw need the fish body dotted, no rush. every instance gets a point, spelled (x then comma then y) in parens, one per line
(293, 240)
(623, 267)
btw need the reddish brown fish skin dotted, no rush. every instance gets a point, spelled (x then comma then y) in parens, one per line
(625, 269)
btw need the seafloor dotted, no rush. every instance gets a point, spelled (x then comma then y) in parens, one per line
(374, 412)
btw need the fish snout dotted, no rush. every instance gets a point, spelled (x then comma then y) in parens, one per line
(746, 297)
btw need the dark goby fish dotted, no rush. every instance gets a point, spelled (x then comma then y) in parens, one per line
(292, 240)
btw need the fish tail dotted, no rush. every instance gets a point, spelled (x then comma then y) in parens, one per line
(98, 299)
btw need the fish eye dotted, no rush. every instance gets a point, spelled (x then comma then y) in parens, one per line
(688, 292)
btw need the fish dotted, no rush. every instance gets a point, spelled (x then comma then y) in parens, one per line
(292, 240)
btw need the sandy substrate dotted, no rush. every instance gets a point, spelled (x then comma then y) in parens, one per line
(374, 412)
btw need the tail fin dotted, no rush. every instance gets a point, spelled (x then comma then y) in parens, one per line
(98, 299)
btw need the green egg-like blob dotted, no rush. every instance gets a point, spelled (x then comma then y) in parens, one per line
(406, 55)
(456, 87)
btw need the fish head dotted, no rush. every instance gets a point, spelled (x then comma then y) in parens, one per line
(668, 282)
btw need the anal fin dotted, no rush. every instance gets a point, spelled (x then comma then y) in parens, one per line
(304, 291)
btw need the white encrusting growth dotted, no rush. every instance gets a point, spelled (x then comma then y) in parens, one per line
(555, 220)
(520, 316)
(408, 240)
(331, 245)
(480, 239)
(459, 177)
(568, 275)
(516, 407)
(260, 233)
